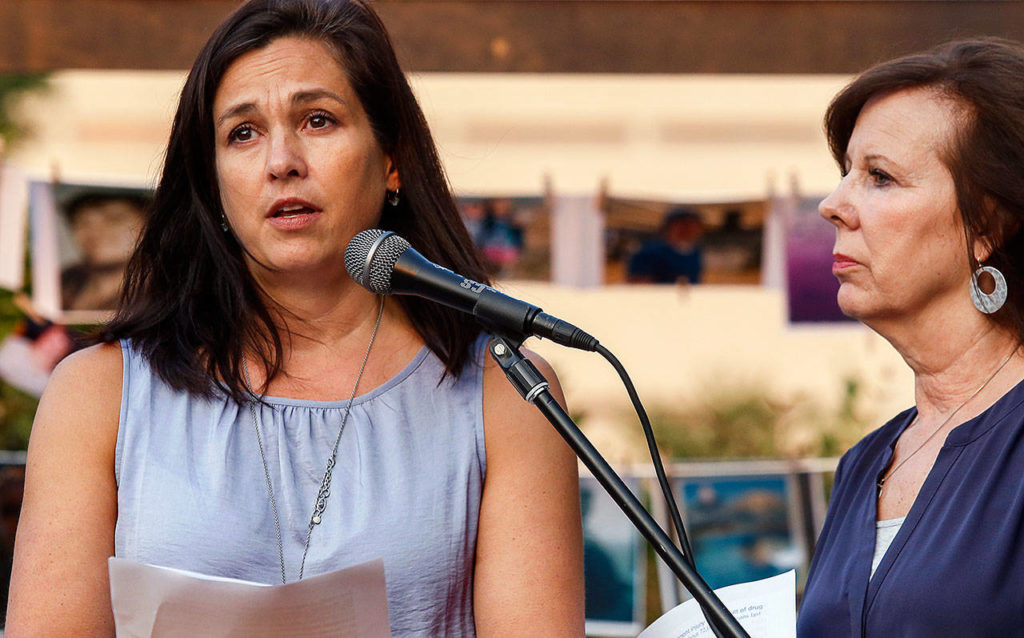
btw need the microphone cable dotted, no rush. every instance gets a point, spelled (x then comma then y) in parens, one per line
(659, 470)
(652, 446)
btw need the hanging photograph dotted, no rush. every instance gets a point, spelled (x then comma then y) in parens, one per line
(649, 242)
(743, 528)
(85, 235)
(513, 235)
(614, 568)
(811, 286)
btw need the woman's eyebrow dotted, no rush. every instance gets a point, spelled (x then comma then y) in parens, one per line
(302, 97)
(312, 95)
(871, 157)
(238, 109)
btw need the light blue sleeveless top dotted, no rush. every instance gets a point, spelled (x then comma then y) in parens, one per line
(191, 491)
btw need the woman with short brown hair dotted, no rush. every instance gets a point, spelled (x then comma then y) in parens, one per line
(924, 532)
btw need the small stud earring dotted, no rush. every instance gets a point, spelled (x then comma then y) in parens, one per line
(394, 196)
(224, 223)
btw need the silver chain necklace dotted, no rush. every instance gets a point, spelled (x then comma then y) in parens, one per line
(325, 485)
(881, 482)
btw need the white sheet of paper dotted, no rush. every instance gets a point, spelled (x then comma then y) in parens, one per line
(160, 602)
(765, 608)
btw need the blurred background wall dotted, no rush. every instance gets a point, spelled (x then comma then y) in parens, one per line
(579, 105)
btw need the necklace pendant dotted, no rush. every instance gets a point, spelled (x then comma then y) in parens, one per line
(325, 484)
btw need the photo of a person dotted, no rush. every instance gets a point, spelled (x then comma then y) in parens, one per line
(674, 255)
(512, 234)
(104, 227)
(659, 242)
(500, 236)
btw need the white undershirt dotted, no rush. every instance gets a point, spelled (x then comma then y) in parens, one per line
(885, 531)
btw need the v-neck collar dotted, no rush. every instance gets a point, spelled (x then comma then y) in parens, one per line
(955, 444)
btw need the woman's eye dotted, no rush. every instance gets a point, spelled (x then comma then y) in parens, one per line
(320, 120)
(242, 133)
(879, 177)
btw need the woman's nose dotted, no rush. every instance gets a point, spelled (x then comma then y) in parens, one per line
(837, 208)
(285, 157)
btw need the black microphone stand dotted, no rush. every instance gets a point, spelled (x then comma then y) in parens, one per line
(533, 387)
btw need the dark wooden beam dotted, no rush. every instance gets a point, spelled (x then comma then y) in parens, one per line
(541, 36)
(45, 35)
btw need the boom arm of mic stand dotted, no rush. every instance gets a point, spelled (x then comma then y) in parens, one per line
(533, 387)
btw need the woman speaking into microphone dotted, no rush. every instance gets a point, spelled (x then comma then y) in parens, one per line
(253, 413)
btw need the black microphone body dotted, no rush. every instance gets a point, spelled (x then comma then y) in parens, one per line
(368, 258)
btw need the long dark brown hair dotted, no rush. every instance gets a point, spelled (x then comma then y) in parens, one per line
(984, 80)
(189, 303)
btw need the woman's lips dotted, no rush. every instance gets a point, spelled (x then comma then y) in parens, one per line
(842, 262)
(294, 220)
(292, 213)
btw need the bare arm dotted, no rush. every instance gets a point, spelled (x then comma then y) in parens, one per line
(529, 558)
(59, 583)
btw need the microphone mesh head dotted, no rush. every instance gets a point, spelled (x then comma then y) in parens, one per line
(370, 258)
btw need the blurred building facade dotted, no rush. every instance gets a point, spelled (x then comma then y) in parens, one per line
(575, 102)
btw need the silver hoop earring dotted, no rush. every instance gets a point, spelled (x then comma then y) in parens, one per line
(224, 223)
(394, 196)
(984, 301)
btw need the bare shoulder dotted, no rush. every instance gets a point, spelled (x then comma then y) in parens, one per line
(513, 426)
(66, 530)
(78, 414)
(498, 391)
(100, 363)
(515, 431)
(86, 384)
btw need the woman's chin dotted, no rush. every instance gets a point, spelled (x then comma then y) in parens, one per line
(302, 267)
(853, 305)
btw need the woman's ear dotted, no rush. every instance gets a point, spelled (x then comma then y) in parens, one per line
(982, 249)
(394, 180)
(984, 245)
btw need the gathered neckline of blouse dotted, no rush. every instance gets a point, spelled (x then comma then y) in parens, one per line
(402, 375)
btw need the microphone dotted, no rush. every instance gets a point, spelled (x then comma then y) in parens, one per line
(384, 263)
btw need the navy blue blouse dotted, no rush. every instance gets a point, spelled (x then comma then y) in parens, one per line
(956, 567)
